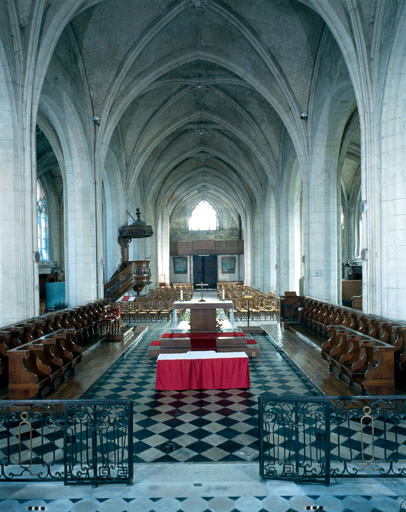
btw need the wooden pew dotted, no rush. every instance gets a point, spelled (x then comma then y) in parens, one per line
(361, 360)
(39, 366)
(16, 335)
(81, 323)
(327, 319)
(5, 346)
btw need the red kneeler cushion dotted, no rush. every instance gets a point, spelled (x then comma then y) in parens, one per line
(155, 343)
(251, 342)
(202, 335)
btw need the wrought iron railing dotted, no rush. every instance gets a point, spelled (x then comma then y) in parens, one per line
(74, 441)
(317, 438)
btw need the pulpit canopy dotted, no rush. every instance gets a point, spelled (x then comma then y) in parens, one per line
(138, 229)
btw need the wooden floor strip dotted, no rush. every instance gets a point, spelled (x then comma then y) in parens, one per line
(306, 356)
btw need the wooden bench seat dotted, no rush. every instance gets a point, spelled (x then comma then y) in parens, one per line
(5, 346)
(361, 360)
(331, 319)
(39, 366)
(81, 323)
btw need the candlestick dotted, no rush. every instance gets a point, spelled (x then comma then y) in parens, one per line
(181, 295)
(223, 294)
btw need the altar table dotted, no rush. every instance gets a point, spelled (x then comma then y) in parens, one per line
(203, 314)
(202, 370)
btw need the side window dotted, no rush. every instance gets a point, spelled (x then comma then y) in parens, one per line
(42, 223)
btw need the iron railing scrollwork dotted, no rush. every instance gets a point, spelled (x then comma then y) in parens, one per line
(292, 439)
(73, 441)
(317, 438)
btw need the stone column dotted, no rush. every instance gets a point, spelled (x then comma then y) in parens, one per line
(386, 193)
(80, 232)
(163, 243)
(258, 247)
(19, 295)
(247, 251)
(323, 276)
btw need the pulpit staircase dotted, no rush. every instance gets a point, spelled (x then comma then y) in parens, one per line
(135, 275)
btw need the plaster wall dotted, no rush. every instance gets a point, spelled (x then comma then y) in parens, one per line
(228, 276)
(257, 261)
(186, 277)
(227, 219)
(270, 241)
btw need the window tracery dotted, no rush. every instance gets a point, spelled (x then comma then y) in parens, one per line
(203, 217)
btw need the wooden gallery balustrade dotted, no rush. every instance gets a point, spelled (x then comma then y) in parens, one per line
(40, 353)
(366, 351)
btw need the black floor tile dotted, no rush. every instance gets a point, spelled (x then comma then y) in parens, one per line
(191, 412)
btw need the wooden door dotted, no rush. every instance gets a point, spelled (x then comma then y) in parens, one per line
(197, 270)
(205, 270)
(210, 270)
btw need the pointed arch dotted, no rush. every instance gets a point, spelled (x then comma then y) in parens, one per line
(203, 217)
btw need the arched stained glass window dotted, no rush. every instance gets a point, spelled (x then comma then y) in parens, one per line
(42, 223)
(203, 217)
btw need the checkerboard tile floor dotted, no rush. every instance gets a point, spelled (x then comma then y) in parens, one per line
(196, 426)
(325, 503)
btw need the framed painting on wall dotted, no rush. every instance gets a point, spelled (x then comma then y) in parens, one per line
(228, 264)
(180, 265)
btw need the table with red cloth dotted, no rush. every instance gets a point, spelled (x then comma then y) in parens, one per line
(202, 370)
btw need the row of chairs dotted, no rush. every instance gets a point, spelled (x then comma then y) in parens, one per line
(262, 305)
(154, 307)
(157, 306)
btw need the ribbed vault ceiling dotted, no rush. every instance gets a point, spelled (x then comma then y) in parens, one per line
(199, 92)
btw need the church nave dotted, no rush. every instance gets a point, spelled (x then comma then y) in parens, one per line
(197, 426)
